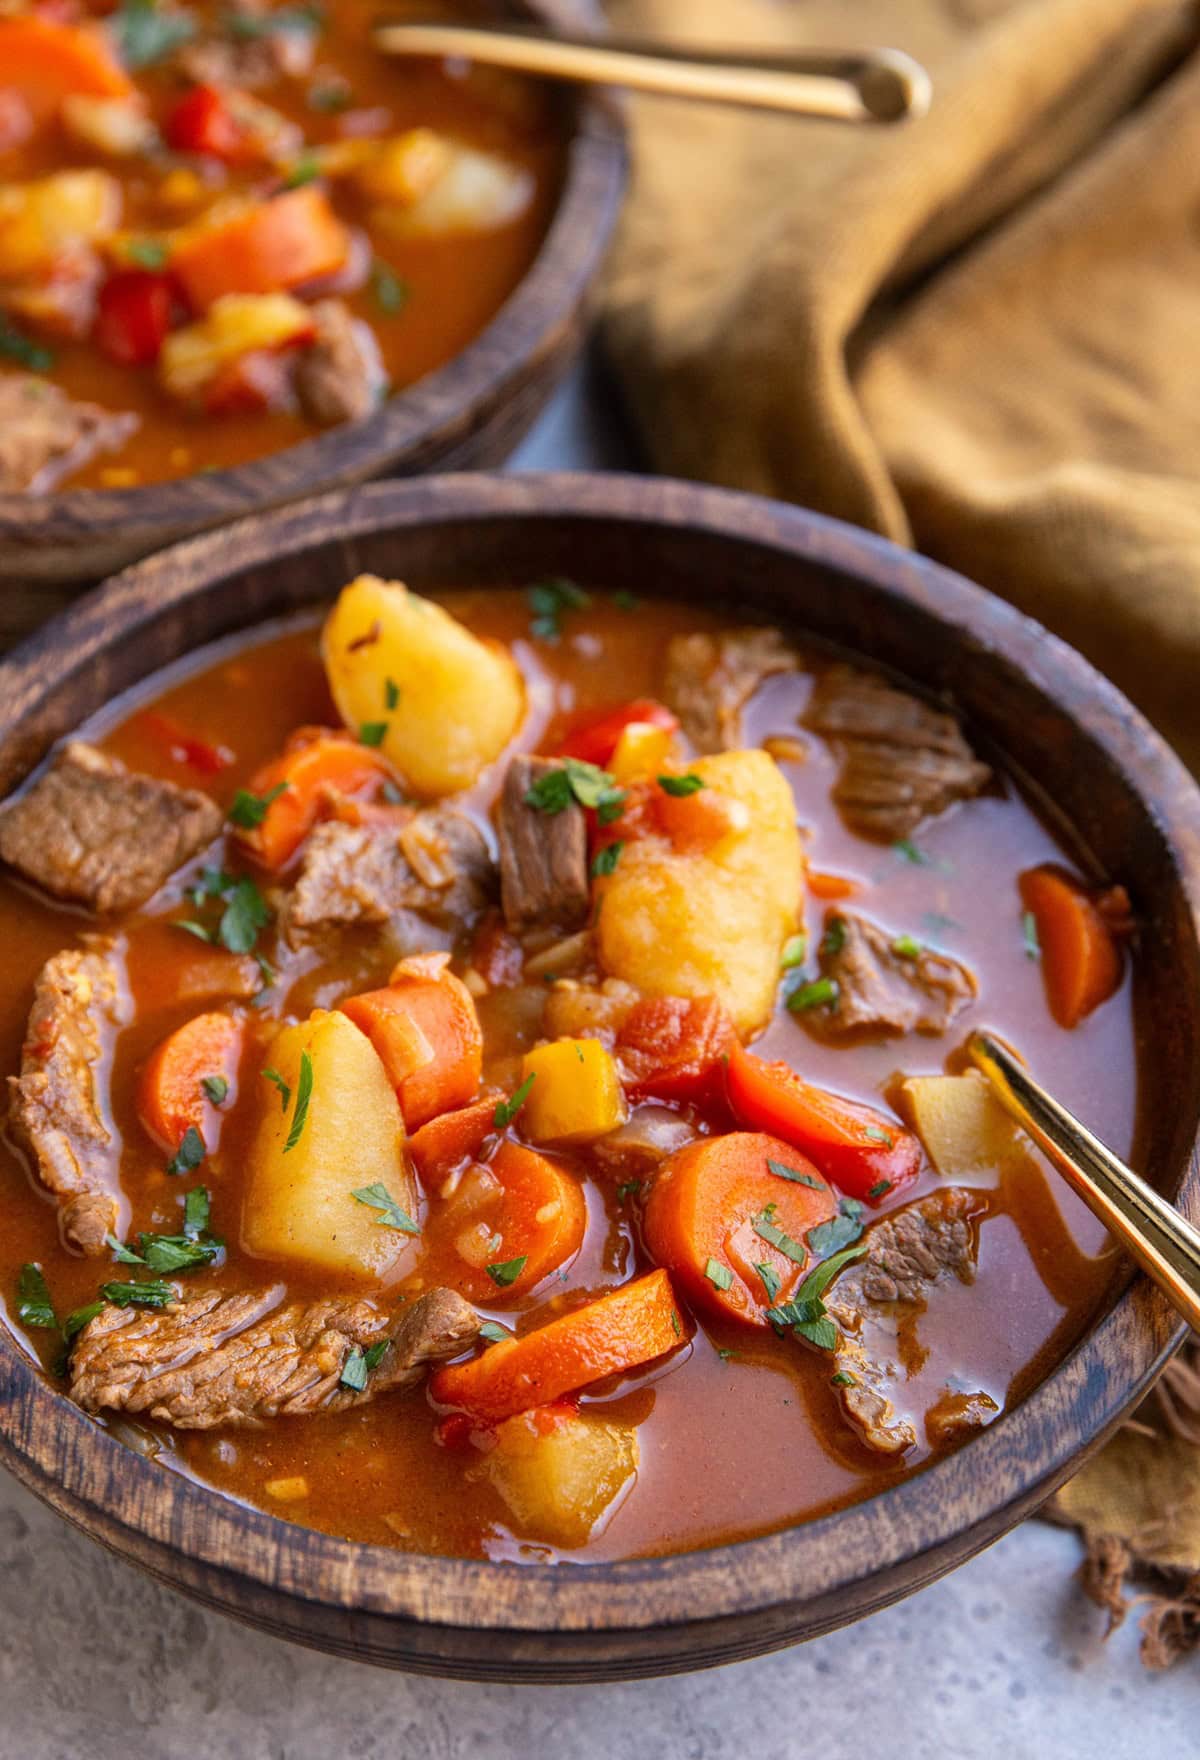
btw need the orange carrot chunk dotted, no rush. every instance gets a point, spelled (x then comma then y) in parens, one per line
(830, 885)
(728, 1216)
(424, 1027)
(452, 1138)
(522, 1215)
(617, 1332)
(315, 767)
(1081, 959)
(46, 61)
(673, 1047)
(172, 1098)
(268, 247)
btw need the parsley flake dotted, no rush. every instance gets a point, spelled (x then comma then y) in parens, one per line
(549, 600)
(508, 1270)
(906, 947)
(391, 1214)
(794, 952)
(147, 253)
(1029, 929)
(190, 1153)
(624, 600)
(19, 348)
(839, 1231)
(606, 859)
(627, 1190)
(507, 1110)
(78, 1318)
(835, 936)
(821, 993)
(767, 1229)
(285, 1091)
(720, 1276)
(880, 1188)
(493, 1333)
(681, 786)
(216, 1088)
(372, 733)
(391, 291)
(153, 1293)
(144, 34)
(842, 1379)
(303, 1096)
(878, 1135)
(391, 693)
(249, 810)
(771, 1280)
(781, 1170)
(34, 1306)
(908, 851)
(306, 169)
(359, 1364)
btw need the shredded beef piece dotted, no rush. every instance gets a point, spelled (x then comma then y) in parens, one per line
(543, 856)
(902, 760)
(956, 1415)
(882, 990)
(875, 1300)
(240, 1359)
(45, 435)
(95, 833)
(340, 375)
(54, 1105)
(435, 864)
(709, 679)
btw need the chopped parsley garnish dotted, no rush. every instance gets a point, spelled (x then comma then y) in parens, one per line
(507, 1270)
(153, 1293)
(805, 1315)
(727, 1355)
(676, 1328)
(1029, 928)
(767, 1229)
(306, 169)
(624, 600)
(938, 923)
(821, 993)
(167, 1252)
(391, 693)
(842, 1379)
(391, 290)
(680, 786)
(216, 1088)
(606, 859)
(507, 1110)
(303, 1096)
(794, 951)
(304, 20)
(835, 936)
(245, 911)
(372, 733)
(144, 34)
(493, 1333)
(839, 1231)
(16, 347)
(359, 1364)
(190, 1153)
(906, 947)
(628, 1189)
(78, 1318)
(249, 810)
(285, 1092)
(879, 1189)
(908, 851)
(720, 1276)
(34, 1306)
(390, 1213)
(771, 1280)
(195, 1212)
(329, 100)
(781, 1170)
(147, 253)
(877, 1134)
(576, 780)
(548, 600)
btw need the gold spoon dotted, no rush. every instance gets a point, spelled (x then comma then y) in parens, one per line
(872, 85)
(1164, 1243)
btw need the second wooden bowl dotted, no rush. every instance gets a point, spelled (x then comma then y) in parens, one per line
(1108, 776)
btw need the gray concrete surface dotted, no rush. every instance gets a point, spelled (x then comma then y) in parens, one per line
(1000, 1661)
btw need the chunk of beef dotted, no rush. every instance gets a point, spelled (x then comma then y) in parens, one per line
(543, 856)
(434, 864)
(886, 983)
(902, 760)
(240, 1359)
(247, 53)
(55, 1109)
(875, 1302)
(954, 1416)
(45, 435)
(709, 680)
(340, 375)
(98, 834)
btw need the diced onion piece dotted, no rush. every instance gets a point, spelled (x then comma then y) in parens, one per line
(402, 170)
(476, 1246)
(293, 1489)
(238, 324)
(119, 127)
(476, 192)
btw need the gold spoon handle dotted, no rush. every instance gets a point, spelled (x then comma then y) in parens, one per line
(1164, 1243)
(876, 85)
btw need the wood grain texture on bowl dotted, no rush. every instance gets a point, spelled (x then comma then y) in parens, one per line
(1097, 768)
(471, 412)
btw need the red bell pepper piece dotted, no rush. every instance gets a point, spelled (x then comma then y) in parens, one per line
(133, 316)
(202, 122)
(595, 740)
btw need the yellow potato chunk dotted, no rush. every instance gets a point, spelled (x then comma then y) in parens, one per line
(300, 1204)
(963, 1126)
(642, 750)
(711, 921)
(472, 192)
(576, 1095)
(236, 324)
(451, 702)
(559, 1473)
(52, 217)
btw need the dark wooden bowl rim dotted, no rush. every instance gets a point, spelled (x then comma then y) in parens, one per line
(808, 1577)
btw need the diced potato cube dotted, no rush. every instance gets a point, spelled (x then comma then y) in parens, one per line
(120, 127)
(450, 702)
(475, 192)
(559, 1473)
(50, 218)
(711, 921)
(403, 169)
(300, 1204)
(237, 324)
(642, 750)
(576, 1094)
(963, 1126)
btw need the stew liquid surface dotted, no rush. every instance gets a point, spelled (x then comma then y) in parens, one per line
(738, 1429)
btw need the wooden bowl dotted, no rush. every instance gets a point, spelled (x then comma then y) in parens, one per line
(1097, 764)
(470, 412)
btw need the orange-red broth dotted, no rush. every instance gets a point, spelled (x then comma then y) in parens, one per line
(775, 1450)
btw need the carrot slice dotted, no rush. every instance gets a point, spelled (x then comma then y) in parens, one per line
(672, 1047)
(1081, 960)
(830, 885)
(171, 1100)
(47, 61)
(530, 1227)
(268, 247)
(730, 1227)
(424, 1027)
(448, 1140)
(617, 1332)
(866, 1153)
(315, 765)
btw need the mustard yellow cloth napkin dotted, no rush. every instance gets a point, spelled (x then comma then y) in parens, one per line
(978, 334)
